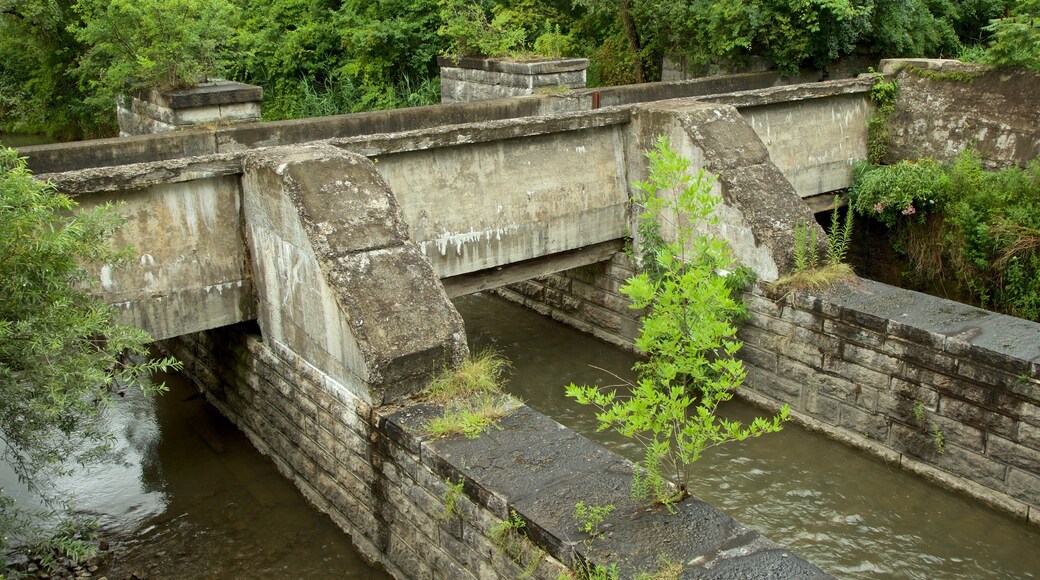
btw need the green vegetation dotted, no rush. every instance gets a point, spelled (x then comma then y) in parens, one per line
(810, 273)
(687, 335)
(1016, 36)
(62, 353)
(960, 225)
(589, 517)
(471, 396)
(451, 501)
(883, 94)
(61, 61)
(510, 537)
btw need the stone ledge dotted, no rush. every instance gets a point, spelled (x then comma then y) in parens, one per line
(540, 469)
(216, 92)
(533, 67)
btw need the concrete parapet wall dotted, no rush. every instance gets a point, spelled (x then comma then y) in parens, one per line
(385, 482)
(189, 270)
(474, 203)
(945, 390)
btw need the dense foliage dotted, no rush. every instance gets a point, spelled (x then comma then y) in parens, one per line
(61, 61)
(687, 334)
(960, 224)
(61, 351)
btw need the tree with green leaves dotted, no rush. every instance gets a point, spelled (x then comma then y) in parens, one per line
(1016, 37)
(687, 334)
(62, 353)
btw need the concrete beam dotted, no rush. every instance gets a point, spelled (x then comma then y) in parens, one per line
(498, 276)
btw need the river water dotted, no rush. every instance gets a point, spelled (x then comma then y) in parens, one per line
(187, 496)
(852, 515)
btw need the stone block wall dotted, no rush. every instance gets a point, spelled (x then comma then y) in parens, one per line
(947, 391)
(586, 298)
(217, 102)
(473, 79)
(389, 499)
(429, 508)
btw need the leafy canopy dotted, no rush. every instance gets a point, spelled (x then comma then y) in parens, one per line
(61, 350)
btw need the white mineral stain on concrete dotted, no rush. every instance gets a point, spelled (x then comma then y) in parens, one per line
(460, 240)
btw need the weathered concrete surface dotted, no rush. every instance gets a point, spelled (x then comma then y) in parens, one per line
(760, 207)
(814, 133)
(189, 270)
(951, 105)
(338, 281)
(468, 79)
(217, 102)
(476, 205)
(536, 467)
(239, 138)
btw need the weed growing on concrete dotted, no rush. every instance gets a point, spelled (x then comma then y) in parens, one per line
(511, 539)
(809, 271)
(471, 395)
(940, 440)
(666, 570)
(919, 412)
(451, 501)
(589, 517)
(687, 332)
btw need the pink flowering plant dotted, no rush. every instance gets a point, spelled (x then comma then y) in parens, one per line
(906, 190)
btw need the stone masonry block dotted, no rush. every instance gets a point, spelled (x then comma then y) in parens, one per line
(758, 357)
(758, 304)
(914, 441)
(1000, 380)
(974, 466)
(1028, 435)
(775, 386)
(871, 425)
(853, 334)
(963, 349)
(804, 319)
(1012, 453)
(1024, 486)
(916, 335)
(976, 416)
(821, 406)
(871, 359)
(865, 320)
(856, 373)
(957, 433)
(920, 355)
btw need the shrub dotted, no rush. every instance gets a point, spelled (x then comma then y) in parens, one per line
(958, 222)
(687, 335)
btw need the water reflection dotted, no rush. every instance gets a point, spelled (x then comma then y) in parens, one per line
(225, 511)
(850, 514)
(185, 495)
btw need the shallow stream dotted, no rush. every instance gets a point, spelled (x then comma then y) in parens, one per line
(187, 496)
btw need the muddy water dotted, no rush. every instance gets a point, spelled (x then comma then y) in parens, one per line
(850, 514)
(185, 495)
